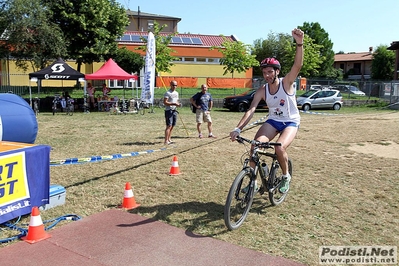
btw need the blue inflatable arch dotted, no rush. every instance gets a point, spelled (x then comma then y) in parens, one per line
(17, 120)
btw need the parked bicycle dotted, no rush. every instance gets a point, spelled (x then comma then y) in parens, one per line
(36, 104)
(58, 105)
(69, 108)
(141, 106)
(160, 103)
(242, 191)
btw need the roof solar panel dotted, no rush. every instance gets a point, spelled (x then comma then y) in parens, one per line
(186, 40)
(176, 40)
(196, 40)
(135, 38)
(125, 38)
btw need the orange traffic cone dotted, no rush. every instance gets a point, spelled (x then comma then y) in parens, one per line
(36, 230)
(128, 200)
(174, 169)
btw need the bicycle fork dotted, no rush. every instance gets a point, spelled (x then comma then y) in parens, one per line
(273, 180)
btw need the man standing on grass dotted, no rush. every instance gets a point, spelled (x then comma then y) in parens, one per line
(203, 103)
(171, 102)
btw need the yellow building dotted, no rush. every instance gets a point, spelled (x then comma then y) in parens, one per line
(195, 59)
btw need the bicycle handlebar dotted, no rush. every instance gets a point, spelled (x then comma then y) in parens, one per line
(258, 143)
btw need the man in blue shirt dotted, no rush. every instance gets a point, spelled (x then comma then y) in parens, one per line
(203, 103)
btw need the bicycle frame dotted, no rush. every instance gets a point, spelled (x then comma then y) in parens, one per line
(242, 191)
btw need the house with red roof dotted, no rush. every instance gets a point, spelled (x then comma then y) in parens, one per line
(194, 58)
(395, 47)
(355, 65)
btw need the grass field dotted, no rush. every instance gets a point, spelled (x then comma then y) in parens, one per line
(344, 191)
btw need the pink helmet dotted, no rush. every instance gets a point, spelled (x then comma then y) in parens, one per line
(270, 62)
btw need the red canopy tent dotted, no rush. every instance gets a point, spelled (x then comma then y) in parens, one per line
(110, 70)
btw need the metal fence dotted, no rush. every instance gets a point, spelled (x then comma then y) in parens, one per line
(387, 90)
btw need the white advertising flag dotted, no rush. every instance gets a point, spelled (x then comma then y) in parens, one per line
(147, 92)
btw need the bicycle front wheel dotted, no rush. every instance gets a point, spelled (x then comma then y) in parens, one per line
(239, 200)
(70, 109)
(275, 196)
(36, 108)
(142, 109)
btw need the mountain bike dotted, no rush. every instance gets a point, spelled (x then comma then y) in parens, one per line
(56, 103)
(70, 108)
(242, 191)
(142, 105)
(36, 104)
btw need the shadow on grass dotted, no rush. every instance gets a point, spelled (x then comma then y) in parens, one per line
(108, 175)
(210, 212)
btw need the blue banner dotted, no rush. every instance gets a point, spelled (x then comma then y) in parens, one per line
(24, 178)
(147, 92)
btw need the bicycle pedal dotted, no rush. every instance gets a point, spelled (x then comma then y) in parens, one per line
(261, 190)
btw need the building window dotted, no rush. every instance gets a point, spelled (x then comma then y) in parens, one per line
(119, 83)
(357, 67)
(214, 60)
(150, 25)
(199, 60)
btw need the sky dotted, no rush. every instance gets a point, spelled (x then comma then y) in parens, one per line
(352, 25)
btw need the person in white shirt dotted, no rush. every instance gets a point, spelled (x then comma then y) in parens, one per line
(171, 102)
(90, 92)
(284, 118)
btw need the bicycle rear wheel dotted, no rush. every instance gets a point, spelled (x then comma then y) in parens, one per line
(70, 109)
(275, 196)
(36, 108)
(142, 109)
(54, 107)
(238, 203)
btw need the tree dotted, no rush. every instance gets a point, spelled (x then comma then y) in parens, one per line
(321, 37)
(236, 56)
(275, 45)
(311, 58)
(129, 61)
(29, 35)
(383, 63)
(90, 27)
(163, 57)
(281, 47)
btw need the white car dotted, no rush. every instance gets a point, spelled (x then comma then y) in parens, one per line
(349, 89)
(315, 99)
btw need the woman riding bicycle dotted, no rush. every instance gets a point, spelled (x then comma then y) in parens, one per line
(284, 118)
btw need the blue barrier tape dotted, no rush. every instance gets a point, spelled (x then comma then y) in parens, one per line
(24, 232)
(256, 122)
(100, 158)
(93, 159)
(316, 113)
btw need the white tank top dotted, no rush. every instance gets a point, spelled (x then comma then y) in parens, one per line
(282, 106)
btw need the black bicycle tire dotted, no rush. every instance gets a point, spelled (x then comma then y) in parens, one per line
(70, 110)
(36, 108)
(272, 179)
(234, 189)
(161, 104)
(142, 109)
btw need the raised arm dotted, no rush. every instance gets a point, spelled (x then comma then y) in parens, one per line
(289, 79)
